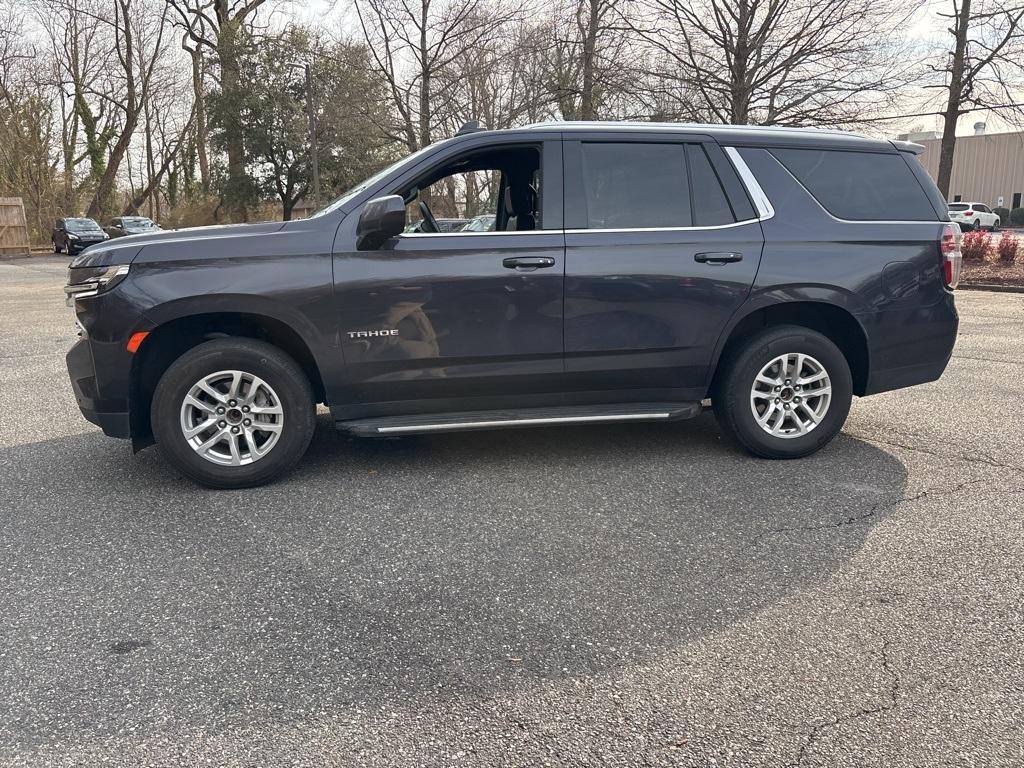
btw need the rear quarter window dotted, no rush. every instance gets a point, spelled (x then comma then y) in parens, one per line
(860, 186)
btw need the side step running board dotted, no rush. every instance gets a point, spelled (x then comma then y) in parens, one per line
(529, 417)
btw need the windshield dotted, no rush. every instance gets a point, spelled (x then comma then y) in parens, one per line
(137, 222)
(80, 225)
(958, 206)
(350, 193)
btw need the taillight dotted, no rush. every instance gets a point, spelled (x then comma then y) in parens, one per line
(968, 213)
(952, 258)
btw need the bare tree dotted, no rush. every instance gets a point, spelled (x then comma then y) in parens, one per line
(218, 27)
(984, 69)
(138, 43)
(413, 42)
(775, 62)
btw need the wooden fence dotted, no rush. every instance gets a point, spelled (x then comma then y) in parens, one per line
(13, 229)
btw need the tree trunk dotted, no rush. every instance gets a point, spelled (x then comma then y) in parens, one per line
(424, 55)
(105, 189)
(230, 76)
(201, 132)
(587, 108)
(739, 75)
(951, 114)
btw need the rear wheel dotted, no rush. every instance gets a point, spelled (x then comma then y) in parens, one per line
(233, 413)
(784, 393)
(977, 225)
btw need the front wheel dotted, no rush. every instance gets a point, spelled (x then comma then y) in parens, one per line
(784, 393)
(233, 413)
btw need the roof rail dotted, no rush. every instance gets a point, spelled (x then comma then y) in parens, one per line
(472, 126)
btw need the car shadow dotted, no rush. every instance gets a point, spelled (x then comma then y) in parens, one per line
(406, 569)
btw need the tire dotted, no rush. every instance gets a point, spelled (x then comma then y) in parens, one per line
(732, 396)
(995, 225)
(283, 397)
(977, 225)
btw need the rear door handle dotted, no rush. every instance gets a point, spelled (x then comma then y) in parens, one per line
(528, 263)
(723, 257)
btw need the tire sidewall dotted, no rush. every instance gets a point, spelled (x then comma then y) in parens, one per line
(745, 366)
(280, 372)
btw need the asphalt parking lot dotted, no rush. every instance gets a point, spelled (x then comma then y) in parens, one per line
(609, 595)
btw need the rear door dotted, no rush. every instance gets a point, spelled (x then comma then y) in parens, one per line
(662, 246)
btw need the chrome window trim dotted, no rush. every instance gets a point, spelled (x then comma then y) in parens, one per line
(478, 234)
(749, 180)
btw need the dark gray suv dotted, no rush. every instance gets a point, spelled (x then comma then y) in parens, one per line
(633, 272)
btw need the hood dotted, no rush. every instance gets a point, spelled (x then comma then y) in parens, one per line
(124, 250)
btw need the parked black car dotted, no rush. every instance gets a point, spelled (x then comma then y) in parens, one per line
(443, 225)
(131, 225)
(634, 270)
(74, 235)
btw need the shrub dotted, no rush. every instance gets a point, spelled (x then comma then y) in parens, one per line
(976, 246)
(1017, 216)
(1003, 214)
(1007, 248)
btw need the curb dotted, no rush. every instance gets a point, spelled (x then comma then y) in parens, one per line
(991, 287)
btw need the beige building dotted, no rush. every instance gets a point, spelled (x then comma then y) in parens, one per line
(987, 168)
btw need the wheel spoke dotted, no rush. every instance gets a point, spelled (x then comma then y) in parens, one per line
(211, 441)
(220, 397)
(236, 383)
(812, 378)
(810, 413)
(270, 410)
(198, 404)
(236, 454)
(199, 428)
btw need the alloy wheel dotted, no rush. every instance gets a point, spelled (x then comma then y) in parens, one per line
(791, 395)
(232, 418)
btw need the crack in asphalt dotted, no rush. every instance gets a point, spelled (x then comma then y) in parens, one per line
(984, 458)
(855, 519)
(886, 706)
(989, 359)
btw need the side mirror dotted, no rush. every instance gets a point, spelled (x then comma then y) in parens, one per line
(382, 218)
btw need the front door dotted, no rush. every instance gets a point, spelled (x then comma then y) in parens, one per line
(662, 246)
(460, 320)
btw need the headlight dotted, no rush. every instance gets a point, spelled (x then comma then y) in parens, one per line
(72, 236)
(84, 282)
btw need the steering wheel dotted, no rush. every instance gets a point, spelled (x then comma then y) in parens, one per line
(429, 223)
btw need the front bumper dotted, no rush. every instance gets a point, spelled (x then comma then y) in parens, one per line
(110, 415)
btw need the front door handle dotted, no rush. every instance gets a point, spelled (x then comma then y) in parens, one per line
(723, 257)
(528, 263)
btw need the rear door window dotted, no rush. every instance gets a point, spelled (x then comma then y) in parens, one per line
(710, 205)
(860, 186)
(633, 185)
